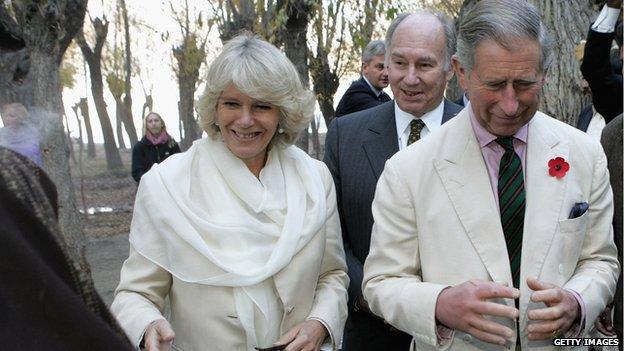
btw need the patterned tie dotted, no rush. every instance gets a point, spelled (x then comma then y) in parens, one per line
(511, 198)
(416, 126)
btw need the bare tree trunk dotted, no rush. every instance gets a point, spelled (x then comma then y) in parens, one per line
(93, 58)
(453, 90)
(325, 85)
(84, 109)
(296, 47)
(72, 154)
(79, 123)
(119, 111)
(128, 120)
(567, 23)
(47, 28)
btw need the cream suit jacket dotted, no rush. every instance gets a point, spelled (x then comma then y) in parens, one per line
(204, 317)
(437, 225)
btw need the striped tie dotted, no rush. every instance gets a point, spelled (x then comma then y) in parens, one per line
(511, 198)
(416, 126)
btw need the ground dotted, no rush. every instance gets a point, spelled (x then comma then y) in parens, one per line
(105, 198)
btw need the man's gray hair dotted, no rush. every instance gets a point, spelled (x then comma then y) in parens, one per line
(259, 70)
(374, 48)
(447, 26)
(505, 22)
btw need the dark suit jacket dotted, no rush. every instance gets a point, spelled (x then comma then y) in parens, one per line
(356, 149)
(612, 144)
(359, 97)
(605, 85)
(585, 117)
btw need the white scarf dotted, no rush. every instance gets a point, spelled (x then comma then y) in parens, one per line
(205, 218)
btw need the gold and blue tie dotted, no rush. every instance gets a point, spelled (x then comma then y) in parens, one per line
(511, 199)
(416, 126)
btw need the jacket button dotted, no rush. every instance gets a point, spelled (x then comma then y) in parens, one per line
(467, 338)
(290, 309)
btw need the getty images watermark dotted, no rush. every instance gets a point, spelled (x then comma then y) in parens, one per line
(586, 342)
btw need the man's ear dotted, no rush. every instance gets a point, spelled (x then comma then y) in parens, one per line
(461, 73)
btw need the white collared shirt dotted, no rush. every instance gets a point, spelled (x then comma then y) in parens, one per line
(606, 21)
(432, 120)
(375, 90)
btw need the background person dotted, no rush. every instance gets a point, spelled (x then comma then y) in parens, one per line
(48, 302)
(155, 146)
(241, 231)
(357, 146)
(367, 91)
(18, 134)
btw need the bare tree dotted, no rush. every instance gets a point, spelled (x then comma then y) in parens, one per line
(94, 60)
(84, 110)
(190, 54)
(126, 113)
(42, 31)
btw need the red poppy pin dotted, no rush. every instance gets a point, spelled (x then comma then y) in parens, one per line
(558, 167)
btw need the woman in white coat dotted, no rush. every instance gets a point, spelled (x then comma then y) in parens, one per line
(240, 232)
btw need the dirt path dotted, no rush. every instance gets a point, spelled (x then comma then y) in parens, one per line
(106, 255)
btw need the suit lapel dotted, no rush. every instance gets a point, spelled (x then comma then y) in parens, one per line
(465, 179)
(544, 197)
(381, 141)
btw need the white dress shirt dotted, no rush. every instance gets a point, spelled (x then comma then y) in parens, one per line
(432, 120)
(606, 21)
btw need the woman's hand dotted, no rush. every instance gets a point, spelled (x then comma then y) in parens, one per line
(305, 336)
(158, 336)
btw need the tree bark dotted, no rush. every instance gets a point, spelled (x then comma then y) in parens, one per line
(46, 28)
(126, 115)
(296, 47)
(84, 109)
(93, 58)
(567, 23)
(119, 111)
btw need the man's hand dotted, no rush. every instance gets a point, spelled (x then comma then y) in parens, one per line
(158, 336)
(362, 305)
(554, 320)
(305, 336)
(464, 307)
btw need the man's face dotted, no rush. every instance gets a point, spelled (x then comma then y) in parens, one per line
(375, 71)
(504, 85)
(416, 64)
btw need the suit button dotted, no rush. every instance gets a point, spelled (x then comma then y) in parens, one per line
(467, 338)
(290, 309)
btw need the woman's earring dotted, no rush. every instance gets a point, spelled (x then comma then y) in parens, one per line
(280, 130)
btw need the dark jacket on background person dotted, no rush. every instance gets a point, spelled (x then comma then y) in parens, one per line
(612, 142)
(145, 154)
(359, 97)
(47, 302)
(605, 85)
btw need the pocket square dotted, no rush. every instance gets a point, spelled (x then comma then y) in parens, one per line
(578, 210)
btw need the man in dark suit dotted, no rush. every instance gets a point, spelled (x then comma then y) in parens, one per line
(612, 145)
(367, 91)
(605, 85)
(357, 146)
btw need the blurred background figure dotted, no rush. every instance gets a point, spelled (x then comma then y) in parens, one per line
(47, 301)
(367, 91)
(18, 134)
(155, 146)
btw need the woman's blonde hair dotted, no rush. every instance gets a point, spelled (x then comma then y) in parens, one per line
(171, 142)
(260, 71)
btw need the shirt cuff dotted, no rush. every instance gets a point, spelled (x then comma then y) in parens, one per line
(606, 21)
(578, 327)
(444, 334)
(327, 345)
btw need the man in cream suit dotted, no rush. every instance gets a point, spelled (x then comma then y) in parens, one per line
(496, 230)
